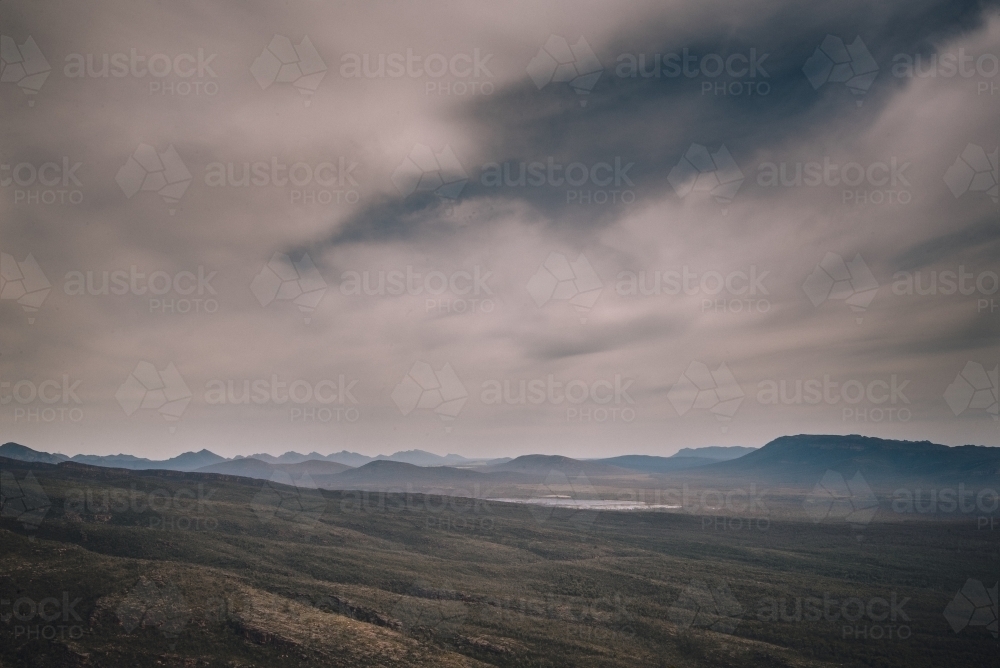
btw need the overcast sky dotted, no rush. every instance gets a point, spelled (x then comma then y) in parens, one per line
(256, 171)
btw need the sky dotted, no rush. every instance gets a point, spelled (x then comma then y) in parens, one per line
(575, 228)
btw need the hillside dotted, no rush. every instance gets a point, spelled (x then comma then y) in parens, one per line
(542, 465)
(385, 473)
(25, 454)
(805, 457)
(716, 452)
(261, 574)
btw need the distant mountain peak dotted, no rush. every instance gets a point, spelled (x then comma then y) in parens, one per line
(810, 456)
(716, 452)
(23, 453)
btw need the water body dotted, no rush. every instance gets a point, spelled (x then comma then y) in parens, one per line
(587, 504)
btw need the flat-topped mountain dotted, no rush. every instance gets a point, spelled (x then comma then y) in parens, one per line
(794, 458)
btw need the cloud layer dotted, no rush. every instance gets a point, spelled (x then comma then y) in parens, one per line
(585, 230)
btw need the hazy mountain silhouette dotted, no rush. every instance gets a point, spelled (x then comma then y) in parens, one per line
(797, 460)
(653, 464)
(22, 453)
(188, 461)
(794, 459)
(715, 452)
(424, 458)
(250, 467)
(544, 464)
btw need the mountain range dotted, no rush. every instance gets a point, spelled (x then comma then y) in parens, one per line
(191, 461)
(792, 460)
